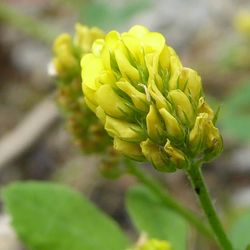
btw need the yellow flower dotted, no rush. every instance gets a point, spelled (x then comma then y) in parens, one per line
(64, 60)
(87, 130)
(150, 104)
(242, 22)
(68, 50)
(153, 244)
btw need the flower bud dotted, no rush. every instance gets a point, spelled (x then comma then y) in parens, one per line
(182, 106)
(64, 60)
(128, 71)
(85, 37)
(155, 127)
(139, 99)
(205, 138)
(153, 244)
(176, 157)
(156, 95)
(203, 107)
(155, 155)
(190, 83)
(197, 136)
(111, 103)
(175, 70)
(173, 128)
(126, 131)
(214, 143)
(129, 149)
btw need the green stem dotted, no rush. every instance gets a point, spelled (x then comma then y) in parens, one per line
(196, 178)
(167, 200)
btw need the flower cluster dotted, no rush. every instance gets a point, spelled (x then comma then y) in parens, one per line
(88, 132)
(68, 50)
(150, 104)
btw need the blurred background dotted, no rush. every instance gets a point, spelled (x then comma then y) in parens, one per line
(211, 36)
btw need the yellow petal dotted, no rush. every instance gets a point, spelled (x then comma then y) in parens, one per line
(92, 66)
(154, 244)
(111, 103)
(106, 77)
(127, 70)
(85, 36)
(155, 127)
(164, 58)
(205, 137)
(63, 40)
(139, 99)
(134, 47)
(97, 47)
(90, 94)
(131, 150)
(190, 83)
(203, 107)
(150, 41)
(101, 114)
(129, 132)
(112, 39)
(197, 135)
(91, 105)
(176, 156)
(158, 97)
(213, 137)
(154, 154)
(138, 31)
(173, 128)
(242, 22)
(153, 42)
(175, 70)
(182, 105)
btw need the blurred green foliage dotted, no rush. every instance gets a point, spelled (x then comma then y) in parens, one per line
(49, 216)
(153, 218)
(108, 15)
(240, 231)
(104, 14)
(29, 25)
(235, 116)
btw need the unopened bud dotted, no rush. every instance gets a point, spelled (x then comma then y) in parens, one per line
(156, 155)
(129, 149)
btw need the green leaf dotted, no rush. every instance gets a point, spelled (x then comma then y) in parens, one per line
(150, 216)
(49, 216)
(240, 231)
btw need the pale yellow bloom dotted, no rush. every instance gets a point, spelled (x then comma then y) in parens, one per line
(150, 104)
(242, 22)
(157, 156)
(68, 50)
(88, 131)
(153, 244)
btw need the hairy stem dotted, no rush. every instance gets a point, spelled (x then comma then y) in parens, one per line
(167, 200)
(197, 180)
